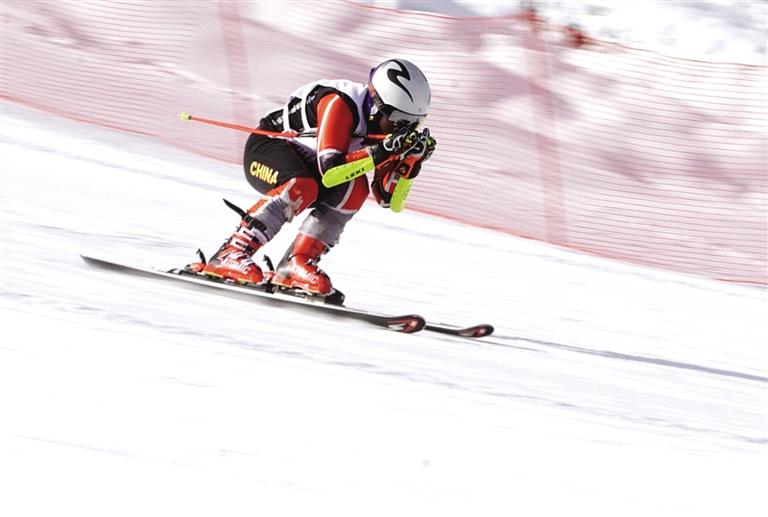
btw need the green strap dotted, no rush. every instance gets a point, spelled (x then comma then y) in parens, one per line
(348, 171)
(402, 189)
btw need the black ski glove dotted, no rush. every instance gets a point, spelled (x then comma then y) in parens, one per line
(395, 145)
(422, 149)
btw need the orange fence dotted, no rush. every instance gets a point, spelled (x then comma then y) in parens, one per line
(615, 151)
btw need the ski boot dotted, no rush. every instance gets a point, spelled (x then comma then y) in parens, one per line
(234, 259)
(298, 268)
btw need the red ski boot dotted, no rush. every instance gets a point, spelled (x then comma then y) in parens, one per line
(299, 270)
(233, 260)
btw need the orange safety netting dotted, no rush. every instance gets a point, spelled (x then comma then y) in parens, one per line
(615, 151)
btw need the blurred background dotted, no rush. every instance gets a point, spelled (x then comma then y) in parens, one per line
(634, 131)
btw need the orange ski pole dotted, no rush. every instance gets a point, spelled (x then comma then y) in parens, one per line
(277, 134)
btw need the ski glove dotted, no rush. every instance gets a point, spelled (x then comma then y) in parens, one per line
(394, 146)
(387, 152)
(410, 166)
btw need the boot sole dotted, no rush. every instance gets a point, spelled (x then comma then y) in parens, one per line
(287, 283)
(224, 276)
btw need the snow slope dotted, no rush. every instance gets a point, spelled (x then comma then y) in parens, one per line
(608, 389)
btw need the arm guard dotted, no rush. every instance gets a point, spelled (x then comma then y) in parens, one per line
(348, 171)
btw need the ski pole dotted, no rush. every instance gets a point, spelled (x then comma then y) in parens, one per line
(287, 134)
(278, 134)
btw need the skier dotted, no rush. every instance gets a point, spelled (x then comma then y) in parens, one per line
(289, 172)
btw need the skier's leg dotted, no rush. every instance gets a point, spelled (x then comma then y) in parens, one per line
(274, 168)
(319, 232)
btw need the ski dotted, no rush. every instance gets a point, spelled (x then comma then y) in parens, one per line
(480, 330)
(407, 323)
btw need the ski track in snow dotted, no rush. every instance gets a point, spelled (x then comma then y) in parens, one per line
(608, 389)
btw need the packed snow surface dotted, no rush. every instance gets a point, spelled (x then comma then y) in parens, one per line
(607, 389)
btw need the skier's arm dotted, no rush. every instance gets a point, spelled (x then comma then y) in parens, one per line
(334, 133)
(335, 126)
(391, 185)
(396, 160)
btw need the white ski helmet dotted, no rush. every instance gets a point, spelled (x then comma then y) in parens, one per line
(400, 90)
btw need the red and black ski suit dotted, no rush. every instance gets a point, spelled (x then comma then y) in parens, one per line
(289, 171)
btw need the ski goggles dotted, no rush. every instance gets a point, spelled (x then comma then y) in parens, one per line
(396, 116)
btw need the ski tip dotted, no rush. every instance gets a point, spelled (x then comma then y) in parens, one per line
(89, 259)
(407, 324)
(482, 330)
(94, 261)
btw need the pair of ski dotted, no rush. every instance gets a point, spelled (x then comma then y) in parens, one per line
(407, 323)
